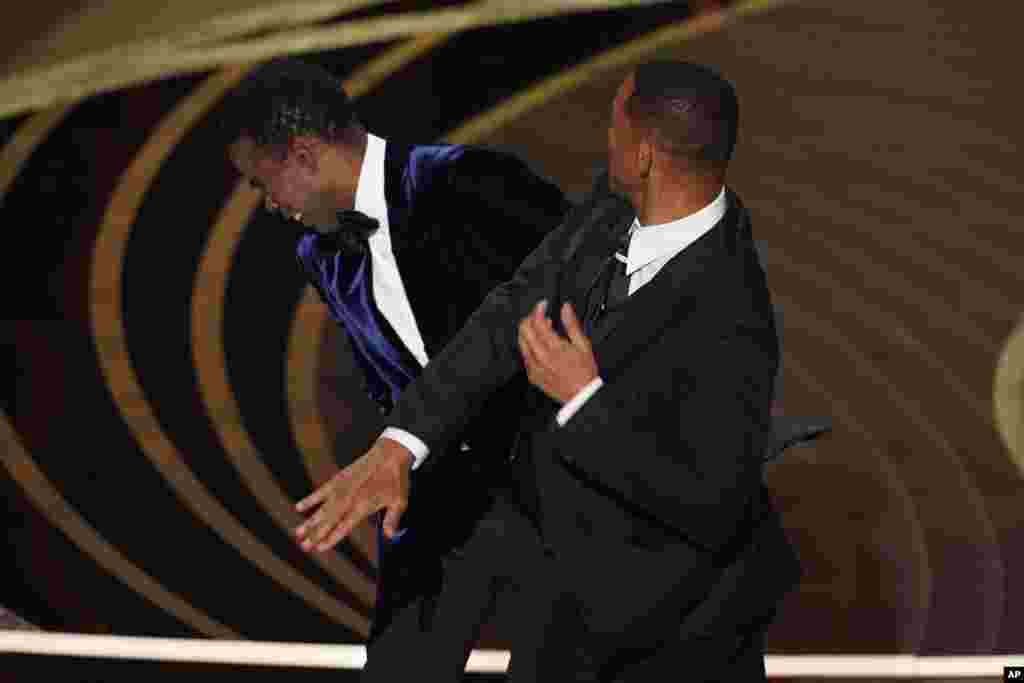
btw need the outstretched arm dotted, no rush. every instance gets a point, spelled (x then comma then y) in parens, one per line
(435, 407)
(449, 392)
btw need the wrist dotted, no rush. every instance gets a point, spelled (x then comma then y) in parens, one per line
(571, 407)
(395, 452)
(580, 387)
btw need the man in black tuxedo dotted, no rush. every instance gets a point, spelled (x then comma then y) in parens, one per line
(660, 556)
(402, 242)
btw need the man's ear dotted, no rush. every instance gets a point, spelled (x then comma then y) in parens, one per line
(644, 157)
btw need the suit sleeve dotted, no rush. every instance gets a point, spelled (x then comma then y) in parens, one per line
(484, 354)
(481, 357)
(685, 449)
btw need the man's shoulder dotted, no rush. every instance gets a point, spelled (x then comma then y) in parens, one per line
(471, 159)
(455, 164)
(436, 153)
(472, 171)
(464, 157)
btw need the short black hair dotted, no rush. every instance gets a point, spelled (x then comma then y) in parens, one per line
(285, 98)
(690, 110)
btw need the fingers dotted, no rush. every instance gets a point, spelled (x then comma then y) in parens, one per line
(393, 518)
(329, 535)
(312, 531)
(573, 327)
(369, 484)
(321, 525)
(527, 347)
(542, 323)
(317, 527)
(315, 498)
(537, 330)
(334, 539)
(312, 523)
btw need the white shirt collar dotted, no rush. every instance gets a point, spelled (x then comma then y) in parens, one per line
(651, 242)
(370, 186)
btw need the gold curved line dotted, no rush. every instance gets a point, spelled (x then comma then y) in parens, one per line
(910, 245)
(1008, 395)
(115, 362)
(893, 325)
(66, 47)
(41, 492)
(276, 16)
(62, 515)
(302, 364)
(211, 368)
(843, 414)
(911, 409)
(631, 52)
(915, 253)
(954, 326)
(369, 75)
(310, 432)
(131, 65)
(29, 135)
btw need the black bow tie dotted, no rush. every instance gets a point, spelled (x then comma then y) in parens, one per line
(352, 231)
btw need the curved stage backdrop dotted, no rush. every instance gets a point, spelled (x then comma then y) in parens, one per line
(176, 387)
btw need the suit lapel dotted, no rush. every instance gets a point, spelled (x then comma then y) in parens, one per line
(587, 254)
(411, 173)
(398, 197)
(397, 194)
(673, 294)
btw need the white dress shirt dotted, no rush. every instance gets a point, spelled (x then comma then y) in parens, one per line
(388, 288)
(650, 248)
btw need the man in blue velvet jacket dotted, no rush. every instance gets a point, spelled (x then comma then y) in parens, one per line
(403, 243)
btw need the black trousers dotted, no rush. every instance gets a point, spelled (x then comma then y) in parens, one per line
(504, 566)
(430, 638)
(551, 644)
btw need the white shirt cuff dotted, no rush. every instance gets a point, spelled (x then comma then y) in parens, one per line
(577, 401)
(418, 449)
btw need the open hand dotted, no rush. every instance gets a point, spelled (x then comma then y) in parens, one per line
(557, 366)
(379, 480)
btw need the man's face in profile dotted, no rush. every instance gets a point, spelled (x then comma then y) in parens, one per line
(292, 180)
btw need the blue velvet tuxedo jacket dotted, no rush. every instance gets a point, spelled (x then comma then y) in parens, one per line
(461, 220)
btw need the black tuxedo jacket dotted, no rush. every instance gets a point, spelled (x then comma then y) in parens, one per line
(652, 491)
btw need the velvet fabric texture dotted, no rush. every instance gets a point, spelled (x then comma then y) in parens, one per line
(461, 220)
